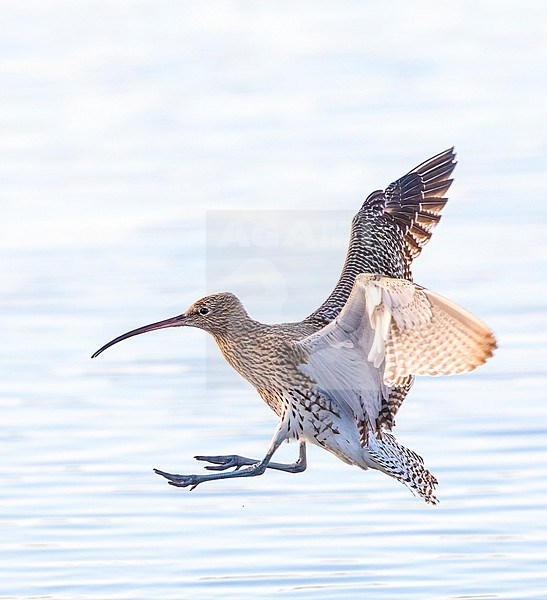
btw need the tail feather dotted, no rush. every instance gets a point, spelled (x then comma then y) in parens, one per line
(402, 464)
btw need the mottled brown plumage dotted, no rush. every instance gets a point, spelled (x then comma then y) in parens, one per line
(337, 378)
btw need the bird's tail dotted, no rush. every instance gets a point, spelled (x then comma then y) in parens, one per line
(403, 464)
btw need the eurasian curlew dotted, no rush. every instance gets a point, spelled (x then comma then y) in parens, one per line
(337, 378)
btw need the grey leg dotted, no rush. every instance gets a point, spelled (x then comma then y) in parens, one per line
(252, 470)
(221, 463)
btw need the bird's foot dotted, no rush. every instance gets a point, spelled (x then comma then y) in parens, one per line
(180, 480)
(231, 461)
(192, 481)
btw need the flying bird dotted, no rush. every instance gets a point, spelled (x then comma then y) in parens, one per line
(337, 378)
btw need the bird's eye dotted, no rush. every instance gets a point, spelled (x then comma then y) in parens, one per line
(203, 310)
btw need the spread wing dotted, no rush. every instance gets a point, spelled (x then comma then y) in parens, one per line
(415, 201)
(391, 228)
(419, 332)
(389, 330)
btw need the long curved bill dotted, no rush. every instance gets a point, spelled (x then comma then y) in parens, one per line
(172, 322)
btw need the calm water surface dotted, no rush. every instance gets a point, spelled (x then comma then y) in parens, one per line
(122, 127)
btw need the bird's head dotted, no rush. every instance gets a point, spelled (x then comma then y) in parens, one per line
(216, 314)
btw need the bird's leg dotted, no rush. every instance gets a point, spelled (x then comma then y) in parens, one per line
(252, 470)
(221, 463)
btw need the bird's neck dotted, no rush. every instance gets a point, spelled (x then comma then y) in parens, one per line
(238, 335)
(241, 344)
